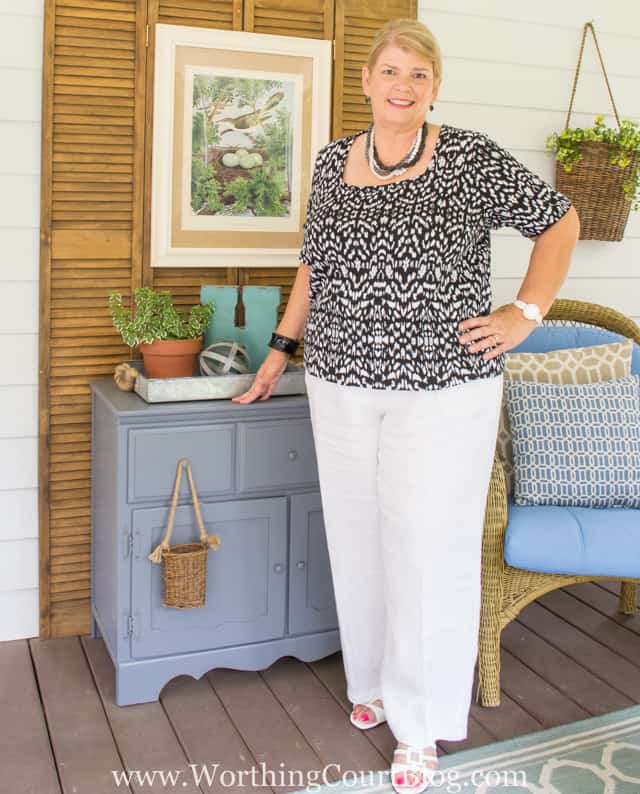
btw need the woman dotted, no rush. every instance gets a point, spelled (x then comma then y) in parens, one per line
(404, 367)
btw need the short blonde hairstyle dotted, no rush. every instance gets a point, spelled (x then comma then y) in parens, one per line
(408, 34)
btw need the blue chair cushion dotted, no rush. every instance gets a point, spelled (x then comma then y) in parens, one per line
(559, 337)
(576, 444)
(573, 540)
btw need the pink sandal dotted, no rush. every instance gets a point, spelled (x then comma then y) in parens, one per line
(367, 723)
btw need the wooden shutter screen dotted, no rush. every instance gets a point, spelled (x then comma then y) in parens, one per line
(183, 283)
(356, 24)
(97, 109)
(90, 161)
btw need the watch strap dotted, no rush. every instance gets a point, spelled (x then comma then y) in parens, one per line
(523, 305)
(283, 343)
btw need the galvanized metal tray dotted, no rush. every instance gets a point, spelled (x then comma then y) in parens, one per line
(211, 387)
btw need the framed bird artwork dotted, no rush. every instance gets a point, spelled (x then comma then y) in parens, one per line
(238, 119)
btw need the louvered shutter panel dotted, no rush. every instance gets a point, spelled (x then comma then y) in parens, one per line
(357, 22)
(94, 168)
(221, 14)
(183, 283)
(87, 222)
(312, 19)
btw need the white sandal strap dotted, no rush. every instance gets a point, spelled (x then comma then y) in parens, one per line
(416, 755)
(415, 764)
(377, 710)
(407, 767)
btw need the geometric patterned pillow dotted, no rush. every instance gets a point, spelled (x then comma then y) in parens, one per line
(572, 365)
(576, 444)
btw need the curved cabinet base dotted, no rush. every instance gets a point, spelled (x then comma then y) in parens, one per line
(142, 681)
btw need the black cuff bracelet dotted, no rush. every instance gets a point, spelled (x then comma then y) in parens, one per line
(283, 343)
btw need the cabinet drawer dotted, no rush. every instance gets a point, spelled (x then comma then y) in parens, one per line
(154, 454)
(276, 454)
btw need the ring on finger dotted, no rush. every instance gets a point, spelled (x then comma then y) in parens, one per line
(492, 341)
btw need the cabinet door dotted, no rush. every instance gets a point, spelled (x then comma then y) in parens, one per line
(311, 601)
(246, 578)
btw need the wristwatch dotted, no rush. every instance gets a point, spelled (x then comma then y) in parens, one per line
(530, 310)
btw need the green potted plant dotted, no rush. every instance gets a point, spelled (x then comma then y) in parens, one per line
(169, 341)
(598, 169)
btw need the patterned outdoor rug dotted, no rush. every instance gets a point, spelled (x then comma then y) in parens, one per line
(599, 755)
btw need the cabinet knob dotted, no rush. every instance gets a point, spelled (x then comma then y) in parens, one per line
(292, 454)
(278, 567)
(301, 564)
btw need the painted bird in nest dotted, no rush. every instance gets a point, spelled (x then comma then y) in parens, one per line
(259, 116)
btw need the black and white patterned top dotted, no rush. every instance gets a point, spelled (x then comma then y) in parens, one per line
(396, 267)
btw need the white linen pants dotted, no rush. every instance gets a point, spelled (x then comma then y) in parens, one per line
(404, 477)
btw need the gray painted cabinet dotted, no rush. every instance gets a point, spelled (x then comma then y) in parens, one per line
(269, 587)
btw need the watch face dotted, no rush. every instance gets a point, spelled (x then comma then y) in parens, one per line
(531, 312)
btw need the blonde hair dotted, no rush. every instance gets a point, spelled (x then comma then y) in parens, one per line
(408, 34)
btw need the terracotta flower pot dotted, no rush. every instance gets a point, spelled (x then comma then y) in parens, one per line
(171, 358)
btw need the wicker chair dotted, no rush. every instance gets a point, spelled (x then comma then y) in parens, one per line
(506, 590)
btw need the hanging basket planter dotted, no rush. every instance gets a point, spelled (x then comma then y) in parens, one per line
(598, 168)
(596, 188)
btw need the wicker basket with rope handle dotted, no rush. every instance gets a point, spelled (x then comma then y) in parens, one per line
(184, 564)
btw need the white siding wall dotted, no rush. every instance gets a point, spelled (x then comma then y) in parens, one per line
(21, 27)
(508, 69)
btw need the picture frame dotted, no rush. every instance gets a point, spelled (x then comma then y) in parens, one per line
(238, 119)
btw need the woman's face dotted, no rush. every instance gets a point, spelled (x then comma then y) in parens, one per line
(400, 75)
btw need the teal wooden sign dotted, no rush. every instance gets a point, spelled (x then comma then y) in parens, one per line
(261, 317)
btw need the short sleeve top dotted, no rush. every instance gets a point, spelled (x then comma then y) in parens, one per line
(396, 267)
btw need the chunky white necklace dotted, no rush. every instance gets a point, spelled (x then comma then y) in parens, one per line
(382, 171)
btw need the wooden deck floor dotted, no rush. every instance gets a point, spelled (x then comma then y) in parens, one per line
(568, 656)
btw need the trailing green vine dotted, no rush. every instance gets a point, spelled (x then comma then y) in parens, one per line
(624, 144)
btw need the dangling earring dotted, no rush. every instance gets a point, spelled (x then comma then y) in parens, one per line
(430, 107)
(367, 99)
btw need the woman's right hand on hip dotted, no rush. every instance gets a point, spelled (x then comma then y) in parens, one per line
(266, 377)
